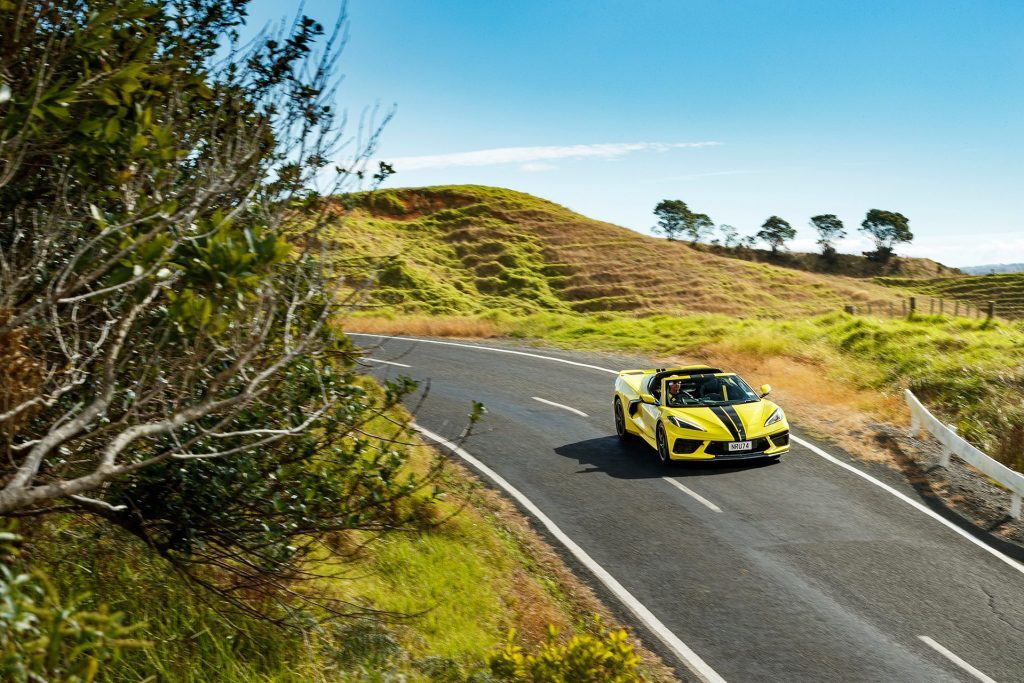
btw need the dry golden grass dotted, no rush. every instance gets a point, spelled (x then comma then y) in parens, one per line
(423, 326)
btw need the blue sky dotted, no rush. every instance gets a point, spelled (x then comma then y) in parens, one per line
(743, 109)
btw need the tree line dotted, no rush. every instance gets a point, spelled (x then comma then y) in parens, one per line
(886, 228)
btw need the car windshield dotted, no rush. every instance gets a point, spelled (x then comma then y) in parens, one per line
(707, 390)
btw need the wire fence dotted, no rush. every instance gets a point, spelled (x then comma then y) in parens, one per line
(932, 306)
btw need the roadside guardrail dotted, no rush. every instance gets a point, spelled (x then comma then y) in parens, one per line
(952, 444)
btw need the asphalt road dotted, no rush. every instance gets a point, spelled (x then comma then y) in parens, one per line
(793, 571)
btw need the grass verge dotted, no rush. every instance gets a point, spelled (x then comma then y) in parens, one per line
(448, 593)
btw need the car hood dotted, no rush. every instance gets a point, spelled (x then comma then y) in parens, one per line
(736, 422)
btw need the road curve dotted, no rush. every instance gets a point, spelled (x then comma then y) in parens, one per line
(795, 571)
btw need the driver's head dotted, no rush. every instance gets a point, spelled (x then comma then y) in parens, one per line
(674, 387)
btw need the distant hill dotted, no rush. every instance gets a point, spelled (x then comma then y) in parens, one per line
(474, 249)
(842, 264)
(995, 268)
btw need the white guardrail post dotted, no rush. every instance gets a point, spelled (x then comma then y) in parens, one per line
(951, 443)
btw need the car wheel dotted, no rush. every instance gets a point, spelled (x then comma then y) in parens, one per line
(620, 421)
(663, 455)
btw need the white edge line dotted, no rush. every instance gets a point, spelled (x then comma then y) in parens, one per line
(559, 405)
(697, 665)
(956, 660)
(693, 494)
(814, 449)
(910, 501)
(386, 362)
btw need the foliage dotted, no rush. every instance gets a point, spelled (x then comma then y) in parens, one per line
(730, 236)
(830, 228)
(44, 637)
(675, 218)
(886, 228)
(176, 372)
(775, 232)
(604, 658)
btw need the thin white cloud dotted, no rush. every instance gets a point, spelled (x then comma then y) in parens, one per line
(536, 166)
(526, 155)
(712, 174)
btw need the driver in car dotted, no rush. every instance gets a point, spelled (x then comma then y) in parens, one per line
(675, 392)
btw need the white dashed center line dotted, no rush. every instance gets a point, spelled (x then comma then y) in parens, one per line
(956, 660)
(387, 362)
(693, 494)
(559, 405)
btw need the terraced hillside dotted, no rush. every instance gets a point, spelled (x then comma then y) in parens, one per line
(1006, 289)
(472, 249)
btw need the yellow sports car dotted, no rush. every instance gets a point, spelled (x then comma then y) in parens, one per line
(699, 413)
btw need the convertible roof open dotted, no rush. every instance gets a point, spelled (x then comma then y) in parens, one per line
(654, 384)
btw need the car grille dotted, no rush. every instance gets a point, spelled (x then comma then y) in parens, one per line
(686, 446)
(722, 447)
(780, 439)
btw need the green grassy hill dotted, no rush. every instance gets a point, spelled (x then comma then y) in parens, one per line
(471, 249)
(1006, 289)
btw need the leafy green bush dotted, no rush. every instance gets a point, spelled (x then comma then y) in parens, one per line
(605, 658)
(44, 637)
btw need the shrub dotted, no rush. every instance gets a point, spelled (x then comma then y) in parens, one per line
(605, 658)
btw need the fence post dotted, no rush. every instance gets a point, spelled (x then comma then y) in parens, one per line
(891, 309)
(913, 305)
(991, 310)
(956, 308)
(931, 306)
(947, 451)
(942, 306)
(869, 308)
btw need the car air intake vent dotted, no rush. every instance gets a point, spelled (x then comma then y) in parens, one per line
(722, 447)
(686, 446)
(781, 439)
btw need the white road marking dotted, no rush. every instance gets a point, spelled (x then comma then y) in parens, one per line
(697, 665)
(486, 348)
(559, 405)
(693, 494)
(910, 501)
(956, 660)
(386, 362)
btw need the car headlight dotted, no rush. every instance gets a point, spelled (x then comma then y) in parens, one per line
(777, 416)
(683, 424)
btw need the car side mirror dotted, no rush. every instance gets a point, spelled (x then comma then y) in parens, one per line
(649, 399)
(765, 390)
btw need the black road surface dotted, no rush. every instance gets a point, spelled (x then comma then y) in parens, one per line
(804, 572)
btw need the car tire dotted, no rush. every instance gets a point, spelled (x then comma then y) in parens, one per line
(662, 442)
(620, 421)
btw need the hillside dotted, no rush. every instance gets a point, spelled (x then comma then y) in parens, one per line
(1006, 289)
(471, 249)
(841, 264)
(993, 268)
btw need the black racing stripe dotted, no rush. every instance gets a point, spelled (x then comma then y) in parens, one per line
(726, 420)
(739, 422)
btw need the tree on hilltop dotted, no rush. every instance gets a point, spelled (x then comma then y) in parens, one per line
(775, 232)
(887, 229)
(830, 229)
(675, 218)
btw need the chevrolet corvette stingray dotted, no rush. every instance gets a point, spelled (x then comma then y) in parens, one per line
(698, 412)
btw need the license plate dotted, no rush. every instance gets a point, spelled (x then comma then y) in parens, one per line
(741, 446)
